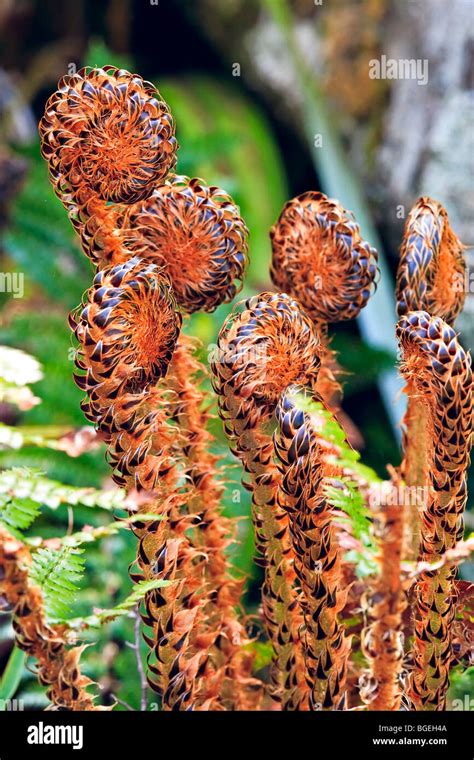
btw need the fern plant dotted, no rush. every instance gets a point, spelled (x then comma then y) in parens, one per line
(334, 543)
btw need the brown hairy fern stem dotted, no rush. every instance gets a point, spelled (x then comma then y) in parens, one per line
(440, 371)
(215, 532)
(127, 330)
(58, 666)
(261, 351)
(428, 278)
(305, 469)
(382, 638)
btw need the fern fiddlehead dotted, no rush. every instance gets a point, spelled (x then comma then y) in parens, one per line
(197, 234)
(107, 136)
(261, 351)
(439, 372)
(127, 330)
(431, 258)
(320, 258)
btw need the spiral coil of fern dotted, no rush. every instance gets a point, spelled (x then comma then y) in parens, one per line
(261, 350)
(202, 227)
(196, 234)
(320, 258)
(438, 370)
(431, 262)
(107, 136)
(317, 553)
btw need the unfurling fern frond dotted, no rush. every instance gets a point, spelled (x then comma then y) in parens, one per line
(345, 497)
(58, 572)
(90, 534)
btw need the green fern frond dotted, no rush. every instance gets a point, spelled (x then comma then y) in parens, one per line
(17, 514)
(24, 483)
(106, 616)
(329, 429)
(344, 494)
(90, 534)
(347, 499)
(58, 573)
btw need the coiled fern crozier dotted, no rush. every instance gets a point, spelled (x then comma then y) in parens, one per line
(431, 260)
(262, 350)
(165, 246)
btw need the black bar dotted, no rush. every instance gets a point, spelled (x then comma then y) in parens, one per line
(262, 734)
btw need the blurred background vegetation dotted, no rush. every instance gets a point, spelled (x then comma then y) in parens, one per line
(250, 84)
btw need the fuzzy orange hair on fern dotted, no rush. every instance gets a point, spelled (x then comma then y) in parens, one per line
(320, 258)
(195, 232)
(108, 134)
(384, 603)
(305, 471)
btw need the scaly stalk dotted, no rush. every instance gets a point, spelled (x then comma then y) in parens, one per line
(382, 639)
(109, 138)
(214, 531)
(304, 470)
(320, 258)
(262, 350)
(430, 278)
(440, 371)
